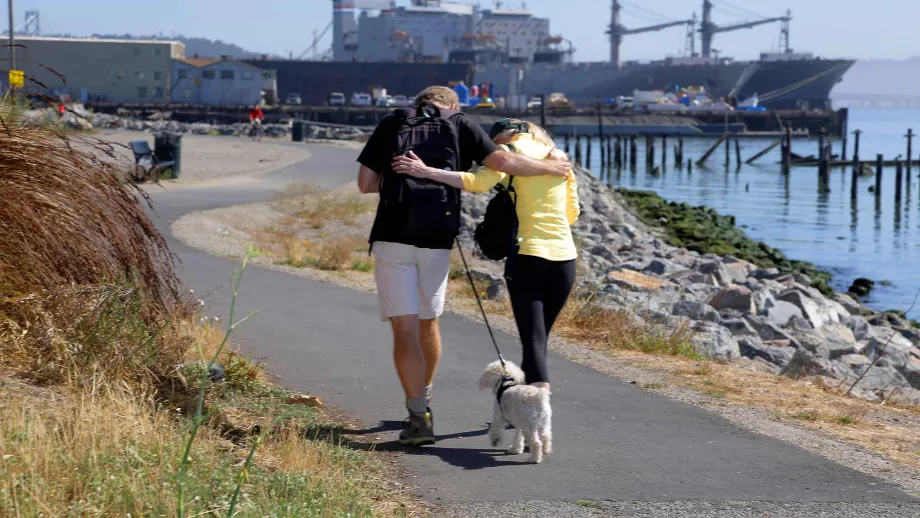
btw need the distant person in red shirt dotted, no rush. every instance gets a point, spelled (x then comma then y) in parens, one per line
(255, 122)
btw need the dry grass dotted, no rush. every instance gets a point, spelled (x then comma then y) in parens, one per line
(90, 335)
(622, 328)
(69, 219)
(314, 207)
(332, 254)
(97, 391)
(109, 454)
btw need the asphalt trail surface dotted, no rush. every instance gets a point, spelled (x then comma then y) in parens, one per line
(614, 442)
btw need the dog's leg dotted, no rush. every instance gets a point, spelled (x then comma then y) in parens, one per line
(547, 436)
(518, 445)
(497, 428)
(536, 447)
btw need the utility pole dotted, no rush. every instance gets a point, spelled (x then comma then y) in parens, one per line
(12, 39)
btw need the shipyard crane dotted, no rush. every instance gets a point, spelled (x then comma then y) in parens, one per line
(616, 30)
(315, 41)
(709, 29)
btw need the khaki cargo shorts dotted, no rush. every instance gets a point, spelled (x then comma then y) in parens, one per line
(410, 280)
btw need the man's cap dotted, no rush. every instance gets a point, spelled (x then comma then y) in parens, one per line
(506, 124)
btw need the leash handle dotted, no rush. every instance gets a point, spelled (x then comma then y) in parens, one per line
(481, 309)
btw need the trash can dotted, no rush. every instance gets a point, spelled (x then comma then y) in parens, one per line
(298, 128)
(168, 147)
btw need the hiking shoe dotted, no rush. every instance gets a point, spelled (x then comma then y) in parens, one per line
(419, 430)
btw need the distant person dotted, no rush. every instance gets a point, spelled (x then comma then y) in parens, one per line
(255, 122)
(541, 275)
(411, 241)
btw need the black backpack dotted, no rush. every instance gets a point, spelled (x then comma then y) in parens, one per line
(496, 234)
(426, 207)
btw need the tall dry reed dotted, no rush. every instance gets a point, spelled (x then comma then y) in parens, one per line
(67, 218)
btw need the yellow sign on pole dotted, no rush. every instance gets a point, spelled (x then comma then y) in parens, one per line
(17, 78)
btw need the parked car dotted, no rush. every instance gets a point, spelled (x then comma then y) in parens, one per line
(400, 101)
(336, 99)
(358, 99)
(385, 101)
(534, 103)
(293, 98)
(558, 100)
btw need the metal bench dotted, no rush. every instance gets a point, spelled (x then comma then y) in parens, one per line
(146, 163)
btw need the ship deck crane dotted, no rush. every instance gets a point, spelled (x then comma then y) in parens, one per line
(616, 30)
(315, 41)
(709, 29)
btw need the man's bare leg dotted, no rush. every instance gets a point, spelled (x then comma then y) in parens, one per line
(430, 338)
(407, 354)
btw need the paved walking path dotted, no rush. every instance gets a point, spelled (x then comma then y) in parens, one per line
(613, 441)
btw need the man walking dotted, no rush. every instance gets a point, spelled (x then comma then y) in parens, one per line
(411, 244)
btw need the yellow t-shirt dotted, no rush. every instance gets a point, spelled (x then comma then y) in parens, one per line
(547, 206)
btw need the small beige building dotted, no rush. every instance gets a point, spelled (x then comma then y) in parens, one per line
(99, 69)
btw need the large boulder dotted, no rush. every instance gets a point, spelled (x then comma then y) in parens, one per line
(714, 341)
(635, 281)
(738, 298)
(804, 363)
(781, 311)
(776, 355)
(695, 311)
(816, 314)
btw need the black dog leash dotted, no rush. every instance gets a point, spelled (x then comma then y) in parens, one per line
(479, 302)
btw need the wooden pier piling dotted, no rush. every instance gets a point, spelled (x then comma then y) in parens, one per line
(711, 150)
(618, 153)
(609, 151)
(898, 182)
(787, 150)
(910, 141)
(843, 147)
(728, 147)
(738, 152)
(680, 151)
(577, 150)
(566, 143)
(854, 183)
(856, 135)
(664, 151)
(879, 160)
(633, 151)
(588, 151)
(763, 152)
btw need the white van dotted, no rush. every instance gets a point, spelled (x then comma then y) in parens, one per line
(361, 99)
(336, 99)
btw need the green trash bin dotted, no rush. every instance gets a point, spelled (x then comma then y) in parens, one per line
(298, 129)
(168, 148)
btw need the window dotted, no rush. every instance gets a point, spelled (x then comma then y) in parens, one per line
(207, 74)
(118, 74)
(183, 73)
(158, 93)
(247, 74)
(138, 75)
(157, 51)
(141, 92)
(158, 75)
(226, 74)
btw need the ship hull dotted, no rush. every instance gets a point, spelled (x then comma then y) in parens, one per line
(584, 83)
(795, 84)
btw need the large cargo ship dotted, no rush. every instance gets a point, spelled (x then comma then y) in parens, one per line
(515, 53)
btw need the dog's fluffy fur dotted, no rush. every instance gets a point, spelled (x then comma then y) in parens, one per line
(526, 407)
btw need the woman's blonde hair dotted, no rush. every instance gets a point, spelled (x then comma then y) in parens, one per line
(539, 134)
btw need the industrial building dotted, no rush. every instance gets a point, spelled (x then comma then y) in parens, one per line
(431, 30)
(219, 81)
(99, 69)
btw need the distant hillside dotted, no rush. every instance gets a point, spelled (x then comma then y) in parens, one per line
(202, 46)
(882, 77)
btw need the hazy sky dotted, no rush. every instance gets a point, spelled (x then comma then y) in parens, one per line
(832, 28)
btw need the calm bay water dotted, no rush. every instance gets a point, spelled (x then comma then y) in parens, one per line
(871, 238)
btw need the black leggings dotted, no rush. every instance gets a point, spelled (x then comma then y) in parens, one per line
(538, 289)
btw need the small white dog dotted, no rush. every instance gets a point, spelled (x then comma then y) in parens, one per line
(524, 406)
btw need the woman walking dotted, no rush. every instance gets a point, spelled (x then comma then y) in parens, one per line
(542, 273)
